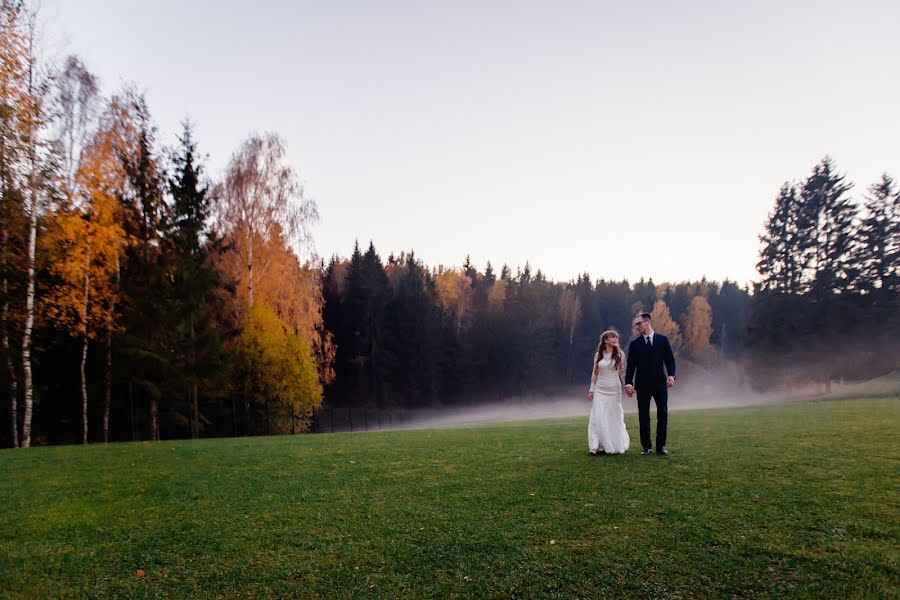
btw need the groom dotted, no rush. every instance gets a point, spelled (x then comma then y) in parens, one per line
(648, 354)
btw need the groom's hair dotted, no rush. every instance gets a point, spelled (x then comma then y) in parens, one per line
(645, 317)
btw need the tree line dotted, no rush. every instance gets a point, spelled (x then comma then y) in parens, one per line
(408, 335)
(826, 307)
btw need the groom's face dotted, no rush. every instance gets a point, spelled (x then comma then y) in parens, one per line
(645, 327)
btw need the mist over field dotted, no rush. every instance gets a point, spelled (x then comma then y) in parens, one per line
(697, 391)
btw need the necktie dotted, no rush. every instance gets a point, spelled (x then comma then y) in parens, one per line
(649, 345)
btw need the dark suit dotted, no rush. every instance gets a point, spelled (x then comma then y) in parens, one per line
(652, 364)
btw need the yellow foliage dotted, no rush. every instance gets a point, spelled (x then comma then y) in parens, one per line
(292, 291)
(447, 284)
(665, 324)
(278, 365)
(698, 328)
(455, 293)
(497, 296)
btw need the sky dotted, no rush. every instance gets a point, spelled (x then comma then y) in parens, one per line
(622, 139)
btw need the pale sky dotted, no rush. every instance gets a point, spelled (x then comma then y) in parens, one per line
(625, 139)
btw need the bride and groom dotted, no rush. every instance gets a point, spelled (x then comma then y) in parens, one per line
(648, 371)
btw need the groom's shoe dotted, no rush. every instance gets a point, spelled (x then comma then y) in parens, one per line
(661, 450)
(646, 451)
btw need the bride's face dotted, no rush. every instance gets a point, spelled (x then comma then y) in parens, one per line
(612, 342)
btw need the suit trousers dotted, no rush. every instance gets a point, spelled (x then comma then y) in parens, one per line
(660, 394)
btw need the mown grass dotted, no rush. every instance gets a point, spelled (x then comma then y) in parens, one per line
(792, 501)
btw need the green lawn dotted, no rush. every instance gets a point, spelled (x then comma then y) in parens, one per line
(797, 500)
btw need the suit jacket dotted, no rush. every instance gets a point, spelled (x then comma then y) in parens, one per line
(649, 362)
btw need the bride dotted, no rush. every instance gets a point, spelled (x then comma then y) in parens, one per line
(606, 429)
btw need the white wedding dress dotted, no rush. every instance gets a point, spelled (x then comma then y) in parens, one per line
(606, 429)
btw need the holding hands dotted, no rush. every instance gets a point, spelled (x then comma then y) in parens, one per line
(670, 382)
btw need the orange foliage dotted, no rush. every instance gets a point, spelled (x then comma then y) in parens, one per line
(85, 242)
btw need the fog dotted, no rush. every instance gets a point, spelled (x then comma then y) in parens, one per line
(701, 390)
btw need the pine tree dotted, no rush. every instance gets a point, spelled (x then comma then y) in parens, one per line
(147, 306)
(367, 295)
(413, 339)
(779, 254)
(195, 282)
(828, 224)
(879, 253)
(378, 295)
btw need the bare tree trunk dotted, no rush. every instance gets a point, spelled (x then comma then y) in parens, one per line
(4, 333)
(84, 399)
(107, 398)
(247, 421)
(33, 96)
(4, 318)
(250, 270)
(84, 352)
(195, 387)
(154, 419)
(29, 315)
(195, 430)
(247, 417)
(110, 316)
(10, 370)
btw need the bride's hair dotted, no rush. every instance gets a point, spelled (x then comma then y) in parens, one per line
(616, 353)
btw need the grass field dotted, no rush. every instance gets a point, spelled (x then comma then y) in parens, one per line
(795, 500)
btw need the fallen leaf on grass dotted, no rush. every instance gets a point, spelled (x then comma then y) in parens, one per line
(139, 572)
(552, 542)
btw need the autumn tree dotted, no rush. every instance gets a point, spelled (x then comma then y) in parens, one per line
(278, 367)
(497, 295)
(262, 199)
(76, 96)
(698, 329)
(38, 182)
(265, 219)
(13, 100)
(86, 241)
(665, 324)
(569, 311)
(455, 294)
